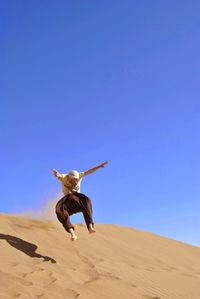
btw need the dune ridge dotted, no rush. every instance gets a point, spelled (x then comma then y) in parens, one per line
(38, 260)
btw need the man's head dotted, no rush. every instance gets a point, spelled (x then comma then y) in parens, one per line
(73, 176)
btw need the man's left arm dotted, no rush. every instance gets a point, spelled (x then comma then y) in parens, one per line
(95, 168)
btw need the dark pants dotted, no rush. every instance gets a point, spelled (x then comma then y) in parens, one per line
(71, 204)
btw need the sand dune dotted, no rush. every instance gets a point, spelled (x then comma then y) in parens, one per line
(38, 260)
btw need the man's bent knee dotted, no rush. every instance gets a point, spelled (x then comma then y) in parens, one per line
(87, 198)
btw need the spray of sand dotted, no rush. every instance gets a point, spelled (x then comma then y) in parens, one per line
(46, 212)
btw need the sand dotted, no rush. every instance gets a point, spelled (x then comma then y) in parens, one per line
(38, 260)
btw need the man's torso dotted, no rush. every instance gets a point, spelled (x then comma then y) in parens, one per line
(68, 187)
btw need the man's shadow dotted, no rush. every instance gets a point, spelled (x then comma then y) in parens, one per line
(24, 246)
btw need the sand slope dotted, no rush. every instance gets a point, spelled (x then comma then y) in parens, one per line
(38, 260)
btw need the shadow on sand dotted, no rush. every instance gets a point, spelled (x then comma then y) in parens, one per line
(26, 247)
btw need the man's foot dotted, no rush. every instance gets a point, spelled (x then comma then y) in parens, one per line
(74, 237)
(91, 229)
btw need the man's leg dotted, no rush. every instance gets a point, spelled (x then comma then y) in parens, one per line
(64, 217)
(59, 210)
(68, 226)
(86, 207)
(66, 223)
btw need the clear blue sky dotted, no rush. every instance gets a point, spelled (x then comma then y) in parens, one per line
(82, 82)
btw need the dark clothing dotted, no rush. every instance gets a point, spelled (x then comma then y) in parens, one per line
(71, 204)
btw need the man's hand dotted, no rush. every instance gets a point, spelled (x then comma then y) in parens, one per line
(55, 172)
(104, 163)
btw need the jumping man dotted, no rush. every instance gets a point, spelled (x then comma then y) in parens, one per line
(74, 201)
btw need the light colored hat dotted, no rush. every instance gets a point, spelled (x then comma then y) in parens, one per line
(74, 174)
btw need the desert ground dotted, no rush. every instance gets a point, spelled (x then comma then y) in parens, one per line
(38, 260)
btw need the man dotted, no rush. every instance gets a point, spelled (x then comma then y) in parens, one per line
(74, 201)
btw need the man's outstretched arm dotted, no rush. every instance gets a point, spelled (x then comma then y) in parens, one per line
(57, 174)
(95, 168)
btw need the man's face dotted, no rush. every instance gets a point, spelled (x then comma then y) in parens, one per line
(73, 180)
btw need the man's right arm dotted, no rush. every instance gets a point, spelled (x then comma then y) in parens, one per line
(57, 174)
